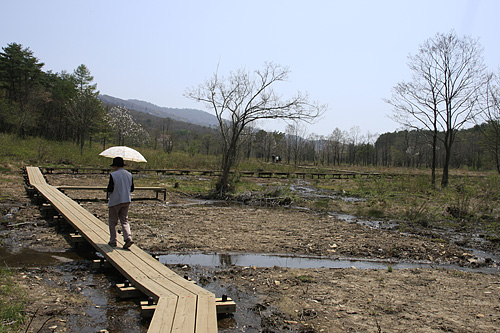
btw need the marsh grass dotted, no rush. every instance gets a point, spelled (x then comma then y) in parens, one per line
(12, 303)
(322, 203)
(471, 201)
(305, 279)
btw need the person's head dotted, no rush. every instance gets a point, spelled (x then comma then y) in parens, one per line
(117, 163)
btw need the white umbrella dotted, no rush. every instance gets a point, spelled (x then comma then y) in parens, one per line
(128, 154)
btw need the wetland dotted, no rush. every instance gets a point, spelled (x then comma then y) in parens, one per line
(315, 262)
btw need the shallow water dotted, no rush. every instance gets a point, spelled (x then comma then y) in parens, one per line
(306, 191)
(23, 257)
(307, 262)
(375, 224)
(106, 310)
(197, 202)
(244, 319)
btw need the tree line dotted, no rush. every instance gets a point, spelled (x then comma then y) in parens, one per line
(449, 110)
(403, 148)
(58, 106)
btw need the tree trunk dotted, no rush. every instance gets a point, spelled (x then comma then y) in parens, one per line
(497, 159)
(433, 166)
(448, 141)
(228, 159)
(82, 143)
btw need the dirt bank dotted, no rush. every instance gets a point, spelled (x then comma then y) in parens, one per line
(351, 300)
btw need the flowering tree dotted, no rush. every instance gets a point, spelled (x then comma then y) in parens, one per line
(121, 121)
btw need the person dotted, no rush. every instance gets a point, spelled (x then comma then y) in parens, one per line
(121, 184)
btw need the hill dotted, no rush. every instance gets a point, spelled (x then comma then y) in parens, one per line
(192, 116)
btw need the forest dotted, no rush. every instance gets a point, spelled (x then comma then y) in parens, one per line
(65, 106)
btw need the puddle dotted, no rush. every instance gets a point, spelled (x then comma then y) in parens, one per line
(23, 257)
(307, 262)
(197, 202)
(244, 319)
(308, 192)
(484, 255)
(106, 310)
(386, 225)
(73, 271)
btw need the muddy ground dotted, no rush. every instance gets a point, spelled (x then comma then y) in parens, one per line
(297, 300)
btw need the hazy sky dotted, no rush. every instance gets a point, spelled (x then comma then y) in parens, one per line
(346, 54)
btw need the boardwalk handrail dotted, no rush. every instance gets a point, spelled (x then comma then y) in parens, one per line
(332, 174)
(182, 306)
(156, 189)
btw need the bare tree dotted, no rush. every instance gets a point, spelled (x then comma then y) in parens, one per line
(338, 143)
(295, 142)
(353, 141)
(244, 98)
(491, 116)
(448, 73)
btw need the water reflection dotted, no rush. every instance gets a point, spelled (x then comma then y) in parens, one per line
(25, 257)
(225, 260)
(271, 260)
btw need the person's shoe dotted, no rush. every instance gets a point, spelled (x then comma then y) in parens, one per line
(112, 244)
(128, 243)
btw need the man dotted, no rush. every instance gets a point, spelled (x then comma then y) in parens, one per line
(121, 183)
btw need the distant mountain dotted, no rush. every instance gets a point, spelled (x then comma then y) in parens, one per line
(192, 116)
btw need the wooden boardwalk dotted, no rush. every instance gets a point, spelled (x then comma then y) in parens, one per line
(155, 189)
(181, 305)
(340, 174)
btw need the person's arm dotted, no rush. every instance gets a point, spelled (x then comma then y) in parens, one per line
(111, 184)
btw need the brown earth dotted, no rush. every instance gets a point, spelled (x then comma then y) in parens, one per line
(300, 300)
(353, 300)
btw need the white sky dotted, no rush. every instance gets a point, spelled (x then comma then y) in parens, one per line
(346, 54)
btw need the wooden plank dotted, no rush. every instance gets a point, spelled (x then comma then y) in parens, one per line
(224, 307)
(184, 320)
(182, 306)
(156, 189)
(144, 257)
(206, 314)
(97, 235)
(147, 311)
(128, 292)
(103, 188)
(35, 176)
(79, 187)
(178, 282)
(163, 318)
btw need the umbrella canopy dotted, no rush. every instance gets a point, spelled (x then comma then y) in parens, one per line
(128, 154)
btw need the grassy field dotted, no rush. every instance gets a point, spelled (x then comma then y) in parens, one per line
(471, 202)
